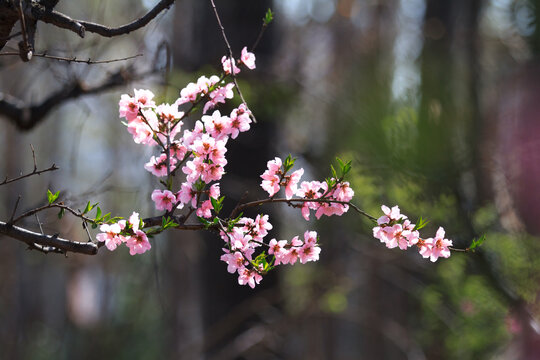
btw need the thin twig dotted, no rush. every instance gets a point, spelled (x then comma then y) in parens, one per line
(240, 207)
(26, 46)
(39, 172)
(39, 223)
(6, 38)
(50, 206)
(259, 37)
(14, 210)
(33, 157)
(231, 58)
(74, 59)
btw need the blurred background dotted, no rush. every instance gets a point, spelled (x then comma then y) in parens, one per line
(436, 103)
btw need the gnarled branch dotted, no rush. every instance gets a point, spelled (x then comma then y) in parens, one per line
(48, 243)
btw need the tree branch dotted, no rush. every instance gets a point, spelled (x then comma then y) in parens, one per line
(25, 117)
(125, 29)
(47, 243)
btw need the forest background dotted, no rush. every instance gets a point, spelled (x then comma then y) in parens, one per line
(435, 102)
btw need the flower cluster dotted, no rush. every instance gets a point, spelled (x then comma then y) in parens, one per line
(330, 197)
(242, 241)
(396, 230)
(199, 153)
(127, 232)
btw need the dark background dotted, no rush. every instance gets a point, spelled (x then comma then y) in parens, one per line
(435, 102)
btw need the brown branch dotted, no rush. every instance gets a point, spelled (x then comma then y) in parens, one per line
(25, 117)
(47, 243)
(126, 29)
(34, 172)
(292, 202)
(74, 59)
(50, 206)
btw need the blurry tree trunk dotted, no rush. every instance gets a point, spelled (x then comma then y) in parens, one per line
(211, 292)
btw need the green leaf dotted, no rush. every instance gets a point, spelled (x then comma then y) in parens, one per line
(61, 213)
(477, 243)
(268, 17)
(52, 197)
(87, 208)
(98, 213)
(421, 223)
(288, 163)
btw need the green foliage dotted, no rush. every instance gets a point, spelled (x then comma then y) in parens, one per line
(288, 163)
(477, 242)
(52, 197)
(421, 223)
(217, 204)
(167, 222)
(268, 17)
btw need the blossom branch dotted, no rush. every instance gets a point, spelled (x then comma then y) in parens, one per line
(231, 57)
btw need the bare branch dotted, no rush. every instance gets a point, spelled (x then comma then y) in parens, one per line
(34, 172)
(75, 59)
(47, 242)
(25, 117)
(126, 29)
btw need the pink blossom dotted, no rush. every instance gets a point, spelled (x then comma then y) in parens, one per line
(310, 190)
(216, 125)
(249, 277)
(205, 210)
(205, 83)
(134, 221)
(187, 194)
(219, 96)
(144, 98)
(158, 166)
(129, 108)
(214, 191)
(247, 58)
(309, 252)
(138, 243)
(293, 251)
(164, 199)
(270, 184)
(141, 132)
(226, 63)
(235, 261)
(291, 182)
(439, 245)
(110, 235)
(390, 215)
(277, 248)
(188, 94)
(239, 120)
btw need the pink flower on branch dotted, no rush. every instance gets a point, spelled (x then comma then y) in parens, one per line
(247, 58)
(138, 243)
(163, 199)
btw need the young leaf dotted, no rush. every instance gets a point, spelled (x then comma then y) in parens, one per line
(52, 197)
(477, 243)
(420, 223)
(268, 17)
(87, 208)
(61, 213)
(98, 213)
